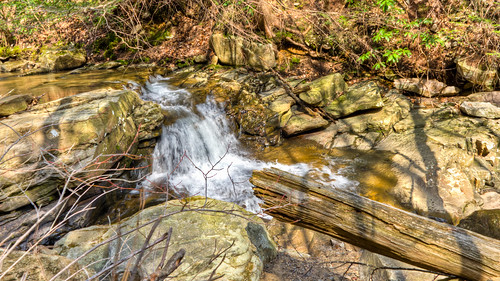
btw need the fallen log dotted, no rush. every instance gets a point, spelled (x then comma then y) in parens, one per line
(378, 227)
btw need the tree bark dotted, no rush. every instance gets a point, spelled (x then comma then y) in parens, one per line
(378, 227)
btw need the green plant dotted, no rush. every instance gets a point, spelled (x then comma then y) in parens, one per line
(385, 5)
(394, 56)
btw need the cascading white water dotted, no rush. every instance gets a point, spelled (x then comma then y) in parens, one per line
(198, 154)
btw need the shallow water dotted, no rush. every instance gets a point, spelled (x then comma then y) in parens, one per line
(52, 86)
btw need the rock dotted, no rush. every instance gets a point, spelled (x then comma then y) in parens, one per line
(12, 104)
(443, 161)
(324, 90)
(396, 108)
(363, 131)
(492, 97)
(74, 132)
(425, 88)
(237, 51)
(361, 96)
(387, 269)
(300, 122)
(486, 222)
(477, 74)
(62, 59)
(16, 65)
(254, 118)
(222, 238)
(480, 109)
(39, 266)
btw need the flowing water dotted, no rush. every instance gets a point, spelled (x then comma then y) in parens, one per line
(198, 153)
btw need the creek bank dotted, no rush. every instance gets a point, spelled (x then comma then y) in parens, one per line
(219, 239)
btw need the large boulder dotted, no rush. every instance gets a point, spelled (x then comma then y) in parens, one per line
(15, 103)
(237, 51)
(324, 90)
(358, 97)
(477, 74)
(216, 236)
(62, 59)
(444, 162)
(40, 266)
(82, 135)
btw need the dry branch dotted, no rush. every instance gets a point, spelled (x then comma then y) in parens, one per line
(378, 227)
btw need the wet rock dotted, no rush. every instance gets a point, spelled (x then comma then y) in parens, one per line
(300, 122)
(202, 230)
(480, 109)
(324, 90)
(62, 59)
(477, 74)
(12, 104)
(254, 118)
(237, 51)
(358, 97)
(41, 266)
(74, 132)
(424, 87)
(486, 222)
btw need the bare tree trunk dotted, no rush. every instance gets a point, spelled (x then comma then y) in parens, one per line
(378, 227)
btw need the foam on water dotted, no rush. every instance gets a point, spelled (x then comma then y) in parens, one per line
(198, 154)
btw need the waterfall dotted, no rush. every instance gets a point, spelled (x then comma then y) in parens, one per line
(198, 154)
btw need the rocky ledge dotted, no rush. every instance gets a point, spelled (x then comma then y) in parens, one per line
(70, 141)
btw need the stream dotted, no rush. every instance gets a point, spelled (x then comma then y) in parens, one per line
(199, 152)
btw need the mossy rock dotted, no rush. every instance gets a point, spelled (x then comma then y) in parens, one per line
(359, 97)
(201, 227)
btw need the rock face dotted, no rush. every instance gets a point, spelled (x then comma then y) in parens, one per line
(480, 109)
(215, 237)
(237, 51)
(73, 132)
(476, 74)
(425, 88)
(12, 104)
(60, 59)
(358, 97)
(444, 161)
(35, 267)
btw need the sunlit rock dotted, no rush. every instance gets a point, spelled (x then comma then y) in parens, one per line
(202, 230)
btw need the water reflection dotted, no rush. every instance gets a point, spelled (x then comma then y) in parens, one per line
(371, 169)
(52, 86)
